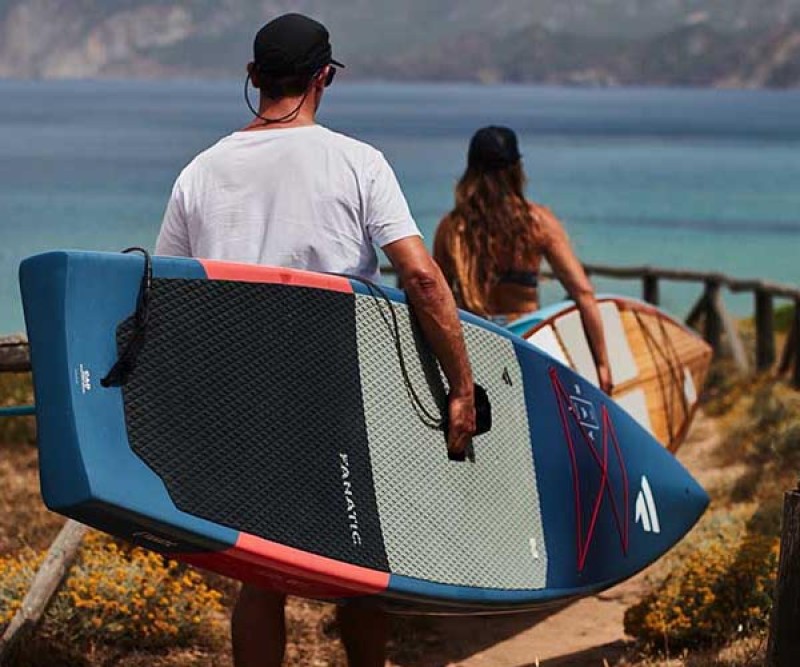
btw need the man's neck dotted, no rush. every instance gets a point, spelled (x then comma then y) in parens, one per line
(286, 109)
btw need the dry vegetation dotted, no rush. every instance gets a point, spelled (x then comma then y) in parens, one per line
(716, 589)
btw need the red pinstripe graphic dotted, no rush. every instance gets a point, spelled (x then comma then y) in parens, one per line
(280, 568)
(584, 540)
(254, 273)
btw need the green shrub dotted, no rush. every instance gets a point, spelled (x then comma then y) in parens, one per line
(767, 518)
(714, 595)
(117, 595)
(783, 316)
(770, 429)
(723, 388)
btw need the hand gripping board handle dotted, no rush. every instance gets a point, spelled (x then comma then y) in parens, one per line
(483, 424)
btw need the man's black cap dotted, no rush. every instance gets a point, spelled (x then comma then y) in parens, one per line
(493, 147)
(292, 44)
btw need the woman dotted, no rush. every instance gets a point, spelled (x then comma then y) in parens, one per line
(491, 245)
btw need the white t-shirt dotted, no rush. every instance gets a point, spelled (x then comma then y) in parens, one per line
(304, 197)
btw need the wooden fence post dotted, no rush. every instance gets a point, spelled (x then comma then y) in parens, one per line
(765, 331)
(14, 356)
(796, 344)
(650, 288)
(44, 586)
(789, 348)
(713, 328)
(696, 313)
(783, 646)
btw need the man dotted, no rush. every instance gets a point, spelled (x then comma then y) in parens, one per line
(286, 191)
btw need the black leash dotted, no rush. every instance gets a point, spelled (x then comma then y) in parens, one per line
(378, 293)
(483, 407)
(126, 362)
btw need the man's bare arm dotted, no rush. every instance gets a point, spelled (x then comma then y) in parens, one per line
(436, 312)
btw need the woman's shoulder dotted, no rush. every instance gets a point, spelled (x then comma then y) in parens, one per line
(449, 224)
(547, 223)
(540, 212)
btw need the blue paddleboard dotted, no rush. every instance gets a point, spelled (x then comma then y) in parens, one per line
(284, 428)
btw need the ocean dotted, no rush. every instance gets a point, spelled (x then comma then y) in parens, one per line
(700, 179)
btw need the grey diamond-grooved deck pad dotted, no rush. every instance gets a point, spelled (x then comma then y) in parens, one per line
(464, 523)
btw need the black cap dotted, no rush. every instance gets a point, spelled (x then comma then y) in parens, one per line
(292, 44)
(493, 147)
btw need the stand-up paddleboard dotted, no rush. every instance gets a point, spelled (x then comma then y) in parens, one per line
(282, 427)
(658, 365)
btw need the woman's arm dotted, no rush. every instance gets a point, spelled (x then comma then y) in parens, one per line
(568, 269)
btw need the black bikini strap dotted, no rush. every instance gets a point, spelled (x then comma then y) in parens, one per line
(525, 278)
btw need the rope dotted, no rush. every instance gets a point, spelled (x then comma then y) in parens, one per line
(483, 408)
(426, 417)
(677, 376)
(126, 362)
(655, 354)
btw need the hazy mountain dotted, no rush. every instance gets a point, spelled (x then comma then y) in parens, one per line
(700, 42)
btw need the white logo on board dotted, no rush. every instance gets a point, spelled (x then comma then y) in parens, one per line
(646, 511)
(347, 487)
(144, 535)
(85, 378)
(534, 548)
(585, 412)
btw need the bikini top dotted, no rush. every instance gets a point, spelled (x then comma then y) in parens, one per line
(523, 278)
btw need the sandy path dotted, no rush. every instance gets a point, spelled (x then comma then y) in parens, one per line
(586, 633)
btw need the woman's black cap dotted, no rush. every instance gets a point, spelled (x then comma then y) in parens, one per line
(292, 44)
(493, 147)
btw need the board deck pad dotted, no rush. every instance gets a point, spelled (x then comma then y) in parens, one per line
(266, 432)
(268, 390)
(497, 498)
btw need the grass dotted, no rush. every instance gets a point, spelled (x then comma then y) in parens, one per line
(783, 318)
(745, 652)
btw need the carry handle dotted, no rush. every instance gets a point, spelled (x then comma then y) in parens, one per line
(483, 424)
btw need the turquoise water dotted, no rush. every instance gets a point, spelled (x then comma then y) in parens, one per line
(684, 178)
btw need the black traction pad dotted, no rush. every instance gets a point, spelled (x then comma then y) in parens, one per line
(246, 401)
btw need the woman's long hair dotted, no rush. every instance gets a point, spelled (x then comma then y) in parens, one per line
(494, 231)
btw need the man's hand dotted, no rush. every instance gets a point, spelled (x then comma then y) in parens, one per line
(461, 424)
